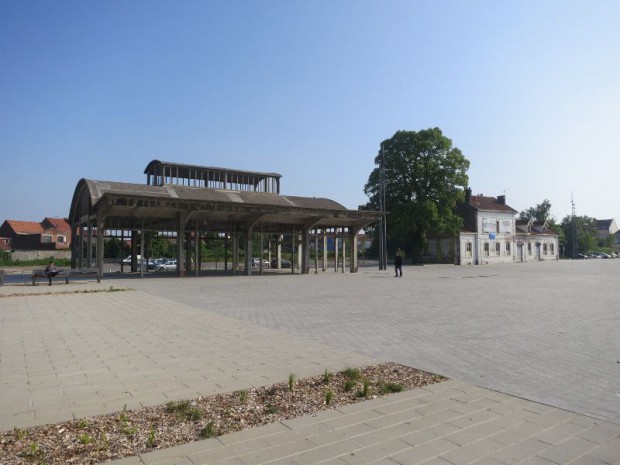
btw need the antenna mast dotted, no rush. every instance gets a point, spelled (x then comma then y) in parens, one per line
(574, 221)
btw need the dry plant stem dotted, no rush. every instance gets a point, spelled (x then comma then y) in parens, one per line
(127, 433)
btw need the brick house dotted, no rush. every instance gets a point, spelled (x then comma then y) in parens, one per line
(49, 234)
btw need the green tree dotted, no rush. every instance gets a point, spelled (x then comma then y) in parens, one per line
(114, 248)
(540, 212)
(424, 181)
(583, 230)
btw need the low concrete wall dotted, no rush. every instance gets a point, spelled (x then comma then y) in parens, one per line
(25, 255)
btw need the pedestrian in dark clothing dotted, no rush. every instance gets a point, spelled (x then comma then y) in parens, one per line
(398, 265)
(51, 271)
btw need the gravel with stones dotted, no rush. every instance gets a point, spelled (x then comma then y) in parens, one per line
(132, 432)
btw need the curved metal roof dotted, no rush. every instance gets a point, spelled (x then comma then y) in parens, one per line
(126, 203)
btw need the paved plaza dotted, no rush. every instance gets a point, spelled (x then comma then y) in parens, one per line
(532, 349)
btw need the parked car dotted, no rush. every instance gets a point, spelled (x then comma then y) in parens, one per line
(154, 263)
(127, 260)
(283, 263)
(582, 256)
(256, 262)
(167, 265)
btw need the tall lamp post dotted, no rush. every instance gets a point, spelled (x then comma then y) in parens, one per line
(383, 224)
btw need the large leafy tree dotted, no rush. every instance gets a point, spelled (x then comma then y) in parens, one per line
(583, 228)
(425, 177)
(540, 212)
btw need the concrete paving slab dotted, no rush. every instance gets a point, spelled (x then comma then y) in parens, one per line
(230, 333)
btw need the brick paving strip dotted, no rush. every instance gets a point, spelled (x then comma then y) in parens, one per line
(76, 355)
(445, 423)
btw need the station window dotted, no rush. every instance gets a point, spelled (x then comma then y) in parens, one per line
(507, 248)
(486, 249)
(497, 249)
(468, 249)
(529, 248)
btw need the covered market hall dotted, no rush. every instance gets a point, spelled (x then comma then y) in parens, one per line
(188, 204)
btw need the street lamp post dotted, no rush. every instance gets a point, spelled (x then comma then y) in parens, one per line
(383, 224)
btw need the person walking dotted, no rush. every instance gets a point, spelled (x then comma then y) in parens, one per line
(398, 265)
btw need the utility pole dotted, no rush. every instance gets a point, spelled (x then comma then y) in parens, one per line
(574, 221)
(383, 223)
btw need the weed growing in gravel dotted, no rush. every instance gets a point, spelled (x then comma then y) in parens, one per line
(20, 433)
(352, 374)
(365, 391)
(291, 382)
(150, 441)
(327, 376)
(328, 397)
(349, 385)
(243, 395)
(184, 410)
(388, 388)
(271, 409)
(105, 442)
(85, 439)
(208, 431)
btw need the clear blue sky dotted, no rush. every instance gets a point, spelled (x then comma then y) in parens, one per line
(528, 90)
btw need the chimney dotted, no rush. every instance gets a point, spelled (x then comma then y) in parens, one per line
(467, 194)
(501, 199)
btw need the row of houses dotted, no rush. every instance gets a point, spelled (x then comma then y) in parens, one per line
(49, 234)
(492, 234)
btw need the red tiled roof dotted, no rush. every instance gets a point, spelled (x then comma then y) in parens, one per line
(481, 202)
(59, 223)
(25, 227)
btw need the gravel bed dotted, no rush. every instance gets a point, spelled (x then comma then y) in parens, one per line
(132, 432)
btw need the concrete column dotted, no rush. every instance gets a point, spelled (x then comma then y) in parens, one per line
(324, 251)
(354, 265)
(80, 247)
(226, 252)
(316, 253)
(141, 263)
(187, 251)
(182, 219)
(279, 252)
(335, 251)
(197, 249)
(260, 248)
(300, 265)
(100, 226)
(248, 252)
(133, 251)
(344, 250)
(89, 244)
(235, 252)
(293, 236)
(305, 252)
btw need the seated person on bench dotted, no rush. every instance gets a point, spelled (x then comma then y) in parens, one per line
(51, 271)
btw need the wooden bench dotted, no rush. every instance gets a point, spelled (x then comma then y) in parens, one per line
(86, 273)
(41, 274)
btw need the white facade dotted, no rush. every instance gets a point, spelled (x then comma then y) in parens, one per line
(493, 243)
